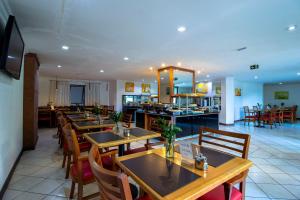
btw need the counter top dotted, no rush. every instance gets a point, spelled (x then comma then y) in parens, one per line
(182, 115)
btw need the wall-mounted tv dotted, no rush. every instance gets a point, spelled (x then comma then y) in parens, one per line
(12, 49)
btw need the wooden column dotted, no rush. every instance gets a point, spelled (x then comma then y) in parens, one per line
(30, 101)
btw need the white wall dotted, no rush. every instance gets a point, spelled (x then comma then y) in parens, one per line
(226, 115)
(11, 116)
(44, 89)
(120, 88)
(294, 94)
(252, 93)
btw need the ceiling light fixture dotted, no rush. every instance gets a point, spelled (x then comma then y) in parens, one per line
(280, 83)
(126, 58)
(255, 77)
(181, 29)
(291, 28)
(207, 76)
(101, 71)
(64, 47)
(298, 73)
(198, 72)
(162, 78)
(179, 64)
(151, 68)
(163, 64)
(59, 66)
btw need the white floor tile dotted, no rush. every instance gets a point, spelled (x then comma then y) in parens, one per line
(261, 178)
(54, 198)
(276, 191)
(25, 183)
(285, 179)
(46, 187)
(11, 194)
(29, 196)
(252, 190)
(294, 189)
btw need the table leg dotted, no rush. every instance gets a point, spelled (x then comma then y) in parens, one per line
(121, 149)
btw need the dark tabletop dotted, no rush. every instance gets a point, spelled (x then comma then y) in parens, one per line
(93, 123)
(102, 137)
(138, 132)
(165, 178)
(215, 158)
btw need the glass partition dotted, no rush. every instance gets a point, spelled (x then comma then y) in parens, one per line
(183, 82)
(164, 91)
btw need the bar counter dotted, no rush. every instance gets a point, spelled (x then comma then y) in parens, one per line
(189, 123)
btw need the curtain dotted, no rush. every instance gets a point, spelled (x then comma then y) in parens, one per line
(60, 93)
(92, 93)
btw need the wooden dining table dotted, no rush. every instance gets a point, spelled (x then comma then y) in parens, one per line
(171, 179)
(81, 117)
(105, 139)
(86, 126)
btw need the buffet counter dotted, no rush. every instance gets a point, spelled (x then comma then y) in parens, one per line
(189, 123)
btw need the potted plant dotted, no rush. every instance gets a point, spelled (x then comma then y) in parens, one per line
(96, 110)
(116, 117)
(169, 132)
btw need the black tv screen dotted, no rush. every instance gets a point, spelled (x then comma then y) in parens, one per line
(12, 49)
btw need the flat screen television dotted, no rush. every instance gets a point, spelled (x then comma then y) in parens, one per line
(12, 49)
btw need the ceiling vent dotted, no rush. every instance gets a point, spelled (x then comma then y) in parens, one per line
(254, 67)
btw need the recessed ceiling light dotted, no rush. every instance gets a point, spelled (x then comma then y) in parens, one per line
(64, 47)
(143, 80)
(280, 83)
(151, 68)
(179, 64)
(165, 71)
(162, 78)
(207, 76)
(298, 73)
(198, 72)
(101, 70)
(59, 66)
(292, 28)
(163, 64)
(181, 29)
(126, 58)
(255, 77)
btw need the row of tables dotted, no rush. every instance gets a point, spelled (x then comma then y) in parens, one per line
(160, 177)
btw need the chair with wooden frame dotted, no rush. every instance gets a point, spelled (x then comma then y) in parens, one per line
(290, 114)
(68, 150)
(62, 121)
(44, 115)
(112, 185)
(269, 117)
(58, 115)
(127, 120)
(233, 143)
(80, 170)
(249, 116)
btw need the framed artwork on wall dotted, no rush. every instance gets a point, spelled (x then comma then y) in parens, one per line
(129, 87)
(202, 88)
(218, 90)
(238, 92)
(281, 95)
(146, 88)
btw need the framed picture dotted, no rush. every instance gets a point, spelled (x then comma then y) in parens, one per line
(201, 88)
(281, 95)
(218, 90)
(238, 92)
(129, 87)
(146, 88)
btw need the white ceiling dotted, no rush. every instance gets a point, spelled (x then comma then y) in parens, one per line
(101, 32)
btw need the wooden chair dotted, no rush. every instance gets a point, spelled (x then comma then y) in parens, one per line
(127, 120)
(269, 117)
(112, 185)
(44, 115)
(290, 114)
(249, 116)
(80, 170)
(233, 143)
(62, 121)
(68, 148)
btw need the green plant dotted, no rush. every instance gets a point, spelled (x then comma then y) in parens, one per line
(169, 131)
(116, 116)
(96, 110)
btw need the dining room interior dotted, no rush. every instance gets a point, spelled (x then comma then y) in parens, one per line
(148, 100)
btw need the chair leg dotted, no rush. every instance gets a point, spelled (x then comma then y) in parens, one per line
(80, 191)
(243, 189)
(227, 191)
(72, 190)
(68, 166)
(64, 160)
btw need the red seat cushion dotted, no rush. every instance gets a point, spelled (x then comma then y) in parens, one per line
(87, 173)
(136, 150)
(108, 129)
(218, 194)
(85, 146)
(107, 162)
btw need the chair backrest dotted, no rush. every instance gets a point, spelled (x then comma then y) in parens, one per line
(255, 108)
(127, 120)
(66, 132)
(112, 185)
(73, 144)
(246, 109)
(223, 140)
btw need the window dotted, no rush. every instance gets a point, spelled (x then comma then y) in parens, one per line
(77, 94)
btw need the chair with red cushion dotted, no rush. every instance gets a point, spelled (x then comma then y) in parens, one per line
(232, 143)
(290, 114)
(80, 171)
(68, 151)
(270, 117)
(112, 185)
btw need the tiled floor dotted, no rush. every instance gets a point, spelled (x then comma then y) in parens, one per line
(275, 174)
